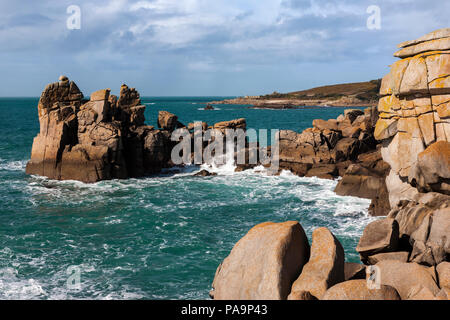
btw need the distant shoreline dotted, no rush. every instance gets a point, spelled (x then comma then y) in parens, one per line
(356, 94)
(283, 104)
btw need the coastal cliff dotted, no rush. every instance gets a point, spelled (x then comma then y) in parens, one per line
(405, 255)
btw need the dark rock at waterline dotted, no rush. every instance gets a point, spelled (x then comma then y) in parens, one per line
(205, 173)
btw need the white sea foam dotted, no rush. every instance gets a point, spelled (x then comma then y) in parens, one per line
(215, 109)
(12, 287)
(13, 165)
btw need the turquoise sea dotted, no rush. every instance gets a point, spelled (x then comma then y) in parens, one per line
(154, 238)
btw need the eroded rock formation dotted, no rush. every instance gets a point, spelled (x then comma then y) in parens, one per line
(97, 139)
(414, 123)
(343, 147)
(414, 128)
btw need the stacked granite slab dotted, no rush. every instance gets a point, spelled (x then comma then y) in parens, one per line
(414, 122)
(414, 128)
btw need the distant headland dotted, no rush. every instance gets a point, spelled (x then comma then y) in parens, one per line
(357, 94)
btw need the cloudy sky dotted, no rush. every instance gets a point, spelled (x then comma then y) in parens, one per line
(205, 47)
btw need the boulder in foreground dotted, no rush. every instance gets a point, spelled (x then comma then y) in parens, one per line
(325, 267)
(263, 264)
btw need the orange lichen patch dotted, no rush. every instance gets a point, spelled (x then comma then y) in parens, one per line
(440, 83)
(431, 53)
(385, 128)
(386, 115)
(388, 103)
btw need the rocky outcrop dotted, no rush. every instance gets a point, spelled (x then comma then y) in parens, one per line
(99, 139)
(233, 124)
(366, 179)
(340, 147)
(329, 142)
(106, 137)
(263, 264)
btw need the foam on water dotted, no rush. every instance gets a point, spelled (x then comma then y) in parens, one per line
(13, 165)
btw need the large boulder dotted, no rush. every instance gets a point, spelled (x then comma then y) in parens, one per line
(359, 290)
(431, 45)
(263, 264)
(325, 267)
(379, 236)
(404, 276)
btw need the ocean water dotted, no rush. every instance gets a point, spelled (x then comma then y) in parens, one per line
(154, 238)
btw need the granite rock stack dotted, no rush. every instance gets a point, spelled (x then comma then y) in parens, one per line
(97, 139)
